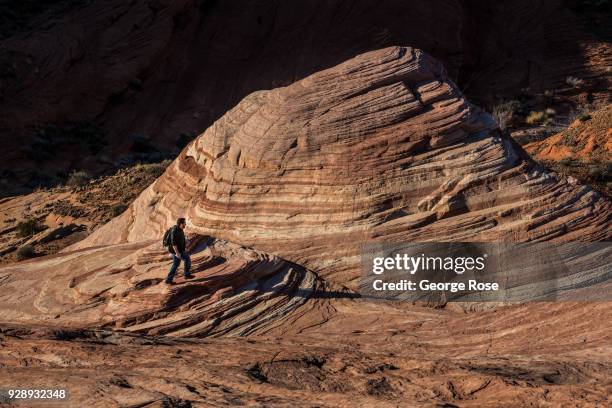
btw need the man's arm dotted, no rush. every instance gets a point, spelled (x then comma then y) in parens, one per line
(173, 241)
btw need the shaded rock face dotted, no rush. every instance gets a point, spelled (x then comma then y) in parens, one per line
(383, 147)
(106, 61)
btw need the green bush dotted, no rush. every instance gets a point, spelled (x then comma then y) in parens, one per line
(25, 252)
(28, 228)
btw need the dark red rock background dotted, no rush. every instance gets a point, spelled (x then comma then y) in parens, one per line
(162, 68)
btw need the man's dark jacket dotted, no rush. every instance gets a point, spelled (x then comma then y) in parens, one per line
(177, 238)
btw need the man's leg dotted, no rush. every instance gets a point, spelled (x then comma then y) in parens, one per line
(186, 264)
(175, 264)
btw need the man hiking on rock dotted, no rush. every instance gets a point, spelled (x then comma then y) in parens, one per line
(174, 239)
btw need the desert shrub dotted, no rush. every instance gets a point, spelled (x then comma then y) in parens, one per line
(78, 178)
(66, 208)
(143, 150)
(118, 209)
(535, 118)
(155, 169)
(504, 112)
(125, 160)
(574, 82)
(583, 112)
(549, 119)
(502, 115)
(25, 252)
(28, 228)
(600, 172)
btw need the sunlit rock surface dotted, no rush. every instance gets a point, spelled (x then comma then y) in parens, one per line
(236, 291)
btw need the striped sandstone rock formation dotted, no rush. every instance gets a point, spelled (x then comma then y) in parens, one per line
(383, 147)
(236, 291)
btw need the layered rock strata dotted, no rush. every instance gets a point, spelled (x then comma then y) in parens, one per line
(236, 291)
(383, 147)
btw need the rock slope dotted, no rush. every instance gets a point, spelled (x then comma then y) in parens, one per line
(583, 150)
(383, 147)
(588, 139)
(236, 291)
(64, 215)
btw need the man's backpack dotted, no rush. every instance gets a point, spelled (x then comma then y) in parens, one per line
(167, 241)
